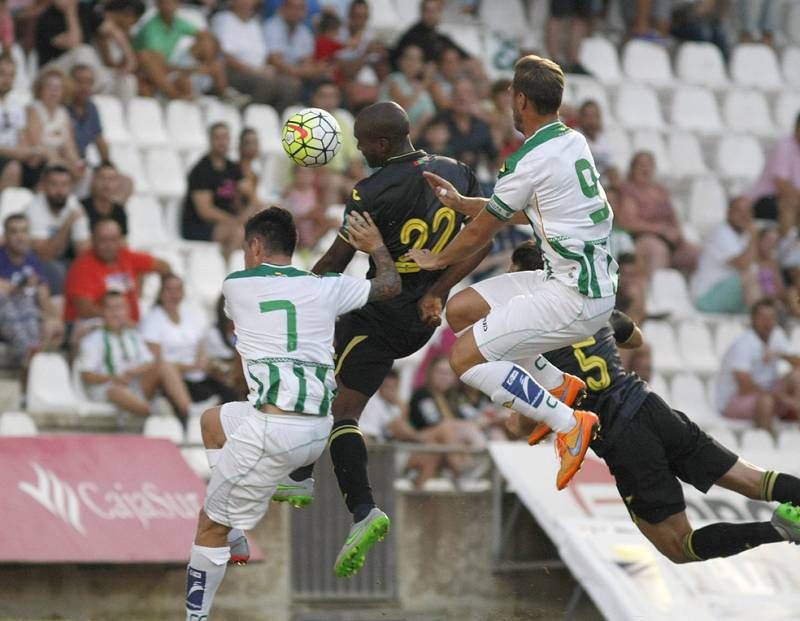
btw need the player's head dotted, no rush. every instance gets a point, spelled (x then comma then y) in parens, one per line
(537, 88)
(381, 131)
(269, 233)
(764, 318)
(115, 310)
(526, 258)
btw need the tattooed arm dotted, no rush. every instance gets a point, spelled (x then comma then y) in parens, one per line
(364, 235)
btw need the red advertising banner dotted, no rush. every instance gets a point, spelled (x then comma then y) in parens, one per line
(96, 499)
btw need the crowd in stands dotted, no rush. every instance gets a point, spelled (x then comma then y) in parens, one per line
(69, 281)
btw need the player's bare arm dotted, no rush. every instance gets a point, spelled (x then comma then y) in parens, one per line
(364, 235)
(470, 206)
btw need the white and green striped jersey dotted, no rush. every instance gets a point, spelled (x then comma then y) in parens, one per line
(553, 179)
(284, 320)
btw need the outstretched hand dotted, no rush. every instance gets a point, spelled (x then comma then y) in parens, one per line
(362, 233)
(424, 258)
(444, 190)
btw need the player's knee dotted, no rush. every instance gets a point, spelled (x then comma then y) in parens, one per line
(458, 313)
(673, 549)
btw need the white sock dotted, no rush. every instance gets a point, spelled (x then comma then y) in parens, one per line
(234, 534)
(506, 382)
(203, 576)
(545, 374)
(212, 455)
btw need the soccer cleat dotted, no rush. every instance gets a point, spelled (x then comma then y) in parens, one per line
(297, 493)
(362, 536)
(786, 520)
(572, 446)
(571, 392)
(240, 551)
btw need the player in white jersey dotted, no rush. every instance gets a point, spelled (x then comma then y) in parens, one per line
(284, 321)
(551, 183)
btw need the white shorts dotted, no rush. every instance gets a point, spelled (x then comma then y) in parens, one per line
(532, 315)
(260, 452)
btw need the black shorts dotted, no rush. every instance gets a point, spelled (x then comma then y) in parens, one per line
(367, 346)
(658, 446)
(574, 8)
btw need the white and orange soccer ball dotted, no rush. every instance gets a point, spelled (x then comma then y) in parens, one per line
(312, 137)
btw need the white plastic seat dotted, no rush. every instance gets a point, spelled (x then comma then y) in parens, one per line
(651, 140)
(146, 227)
(599, 56)
(638, 107)
(17, 424)
(407, 14)
(661, 336)
(787, 107)
(185, 125)
(165, 172)
(166, 427)
(667, 293)
(708, 204)
(236, 261)
(620, 145)
(740, 158)
(195, 458)
(689, 396)
(727, 332)
(507, 17)
(14, 200)
(146, 122)
(660, 386)
(701, 64)
(265, 120)
(586, 89)
(789, 440)
(112, 117)
(22, 79)
(128, 161)
(697, 347)
(694, 109)
(791, 67)
(757, 440)
(205, 273)
(648, 63)
(383, 16)
(725, 436)
(746, 111)
(755, 65)
(469, 37)
(792, 23)
(49, 389)
(685, 155)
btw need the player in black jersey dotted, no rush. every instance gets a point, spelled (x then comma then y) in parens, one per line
(648, 446)
(368, 341)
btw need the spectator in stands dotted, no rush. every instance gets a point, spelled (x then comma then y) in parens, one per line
(174, 334)
(219, 343)
(701, 20)
(49, 124)
(778, 187)
(108, 266)
(326, 42)
(59, 226)
(362, 59)
(302, 198)
(328, 96)
(424, 33)
(249, 164)
(85, 117)
(409, 87)
(29, 321)
(590, 124)
(647, 19)
(769, 277)
(435, 137)
(13, 150)
(575, 16)
(382, 418)
(101, 203)
(632, 291)
(651, 219)
(750, 385)
(213, 209)
(757, 21)
(449, 68)
(619, 241)
(117, 367)
(497, 113)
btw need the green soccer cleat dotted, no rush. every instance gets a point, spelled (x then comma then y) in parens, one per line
(298, 494)
(786, 521)
(363, 535)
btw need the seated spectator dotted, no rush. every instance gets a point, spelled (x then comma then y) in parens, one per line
(107, 266)
(449, 69)
(382, 418)
(29, 321)
(409, 87)
(117, 367)
(590, 124)
(768, 275)
(327, 96)
(101, 203)
(174, 334)
(59, 226)
(778, 187)
(651, 219)
(303, 201)
(757, 21)
(724, 281)
(750, 385)
(701, 20)
(49, 125)
(13, 150)
(213, 208)
(249, 164)
(576, 17)
(86, 124)
(198, 69)
(647, 19)
(424, 34)
(326, 41)
(362, 59)
(500, 119)
(435, 137)
(224, 363)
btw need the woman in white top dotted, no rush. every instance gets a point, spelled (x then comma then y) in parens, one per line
(175, 336)
(49, 124)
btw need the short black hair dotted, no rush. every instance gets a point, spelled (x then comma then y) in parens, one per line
(541, 81)
(132, 7)
(527, 257)
(276, 229)
(104, 164)
(109, 294)
(54, 169)
(588, 103)
(217, 125)
(13, 218)
(763, 303)
(328, 21)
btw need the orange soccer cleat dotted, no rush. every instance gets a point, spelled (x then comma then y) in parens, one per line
(572, 446)
(572, 389)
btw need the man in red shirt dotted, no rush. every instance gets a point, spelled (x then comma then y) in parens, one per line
(107, 266)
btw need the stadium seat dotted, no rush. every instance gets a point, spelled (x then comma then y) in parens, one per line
(660, 386)
(696, 346)
(165, 172)
(407, 14)
(146, 227)
(166, 427)
(507, 17)
(787, 108)
(216, 111)
(265, 120)
(746, 111)
(724, 435)
(49, 388)
(727, 332)
(694, 109)
(146, 122)
(755, 65)
(17, 424)
(195, 458)
(586, 89)
(469, 37)
(22, 79)
(708, 204)
(112, 117)
(236, 261)
(685, 155)
(651, 140)
(701, 64)
(757, 440)
(648, 63)
(14, 200)
(599, 56)
(85, 406)
(383, 17)
(128, 161)
(740, 159)
(185, 126)
(275, 176)
(620, 146)
(668, 293)
(689, 396)
(638, 107)
(661, 336)
(789, 440)
(791, 67)
(206, 271)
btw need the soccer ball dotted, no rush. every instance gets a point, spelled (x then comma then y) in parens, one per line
(312, 137)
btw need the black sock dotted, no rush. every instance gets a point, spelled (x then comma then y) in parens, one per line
(723, 539)
(349, 456)
(301, 474)
(780, 487)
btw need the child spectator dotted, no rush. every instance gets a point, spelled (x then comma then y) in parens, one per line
(302, 199)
